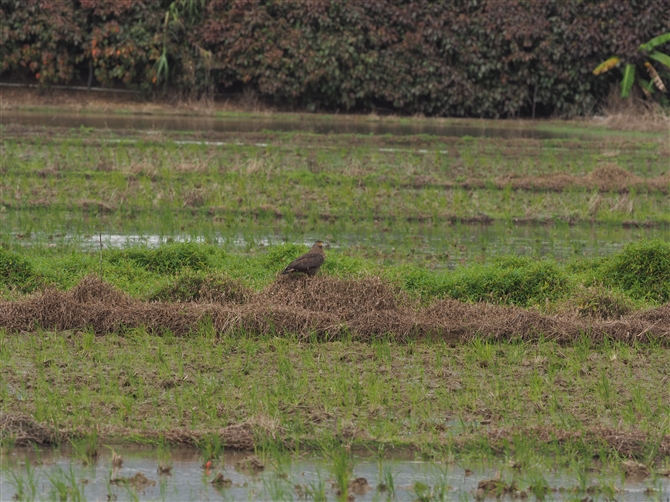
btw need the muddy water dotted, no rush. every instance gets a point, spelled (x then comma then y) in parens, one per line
(255, 124)
(40, 473)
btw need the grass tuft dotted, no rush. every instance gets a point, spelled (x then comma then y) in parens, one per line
(166, 259)
(642, 270)
(16, 271)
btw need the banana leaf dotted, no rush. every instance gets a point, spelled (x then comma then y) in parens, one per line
(628, 79)
(660, 57)
(655, 42)
(646, 86)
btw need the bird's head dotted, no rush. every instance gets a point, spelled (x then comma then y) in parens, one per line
(318, 245)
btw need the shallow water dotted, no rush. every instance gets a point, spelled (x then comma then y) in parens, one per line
(286, 478)
(447, 246)
(256, 124)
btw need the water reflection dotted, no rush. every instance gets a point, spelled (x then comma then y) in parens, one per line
(257, 124)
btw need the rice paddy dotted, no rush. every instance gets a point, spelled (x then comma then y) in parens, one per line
(485, 301)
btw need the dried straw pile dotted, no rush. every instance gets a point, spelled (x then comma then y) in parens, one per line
(321, 308)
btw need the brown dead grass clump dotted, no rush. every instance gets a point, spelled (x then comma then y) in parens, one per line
(277, 319)
(96, 205)
(605, 178)
(24, 430)
(326, 308)
(596, 302)
(92, 289)
(461, 321)
(612, 178)
(634, 113)
(343, 297)
(139, 481)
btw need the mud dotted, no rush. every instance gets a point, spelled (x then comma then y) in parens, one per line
(25, 430)
(631, 444)
(321, 309)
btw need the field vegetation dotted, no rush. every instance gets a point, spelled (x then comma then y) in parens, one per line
(78, 180)
(194, 339)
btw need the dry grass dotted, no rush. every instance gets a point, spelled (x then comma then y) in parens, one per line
(25, 430)
(322, 308)
(634, 113)
(605, 178)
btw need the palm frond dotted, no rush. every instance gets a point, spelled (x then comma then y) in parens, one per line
(628, 79)
(607, 65)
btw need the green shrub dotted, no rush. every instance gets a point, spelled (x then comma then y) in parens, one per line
(511, 281)
(166, 259)
(16, 271)
(514, 281)
(323, 55)
(642, 270)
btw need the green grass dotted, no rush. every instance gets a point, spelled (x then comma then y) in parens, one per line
(17, 273)
(314, 394)
(297, 177)
(634, 278)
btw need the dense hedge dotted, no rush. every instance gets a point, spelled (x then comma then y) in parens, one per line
(459, 58)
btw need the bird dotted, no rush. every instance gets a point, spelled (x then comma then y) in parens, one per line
(308, 263)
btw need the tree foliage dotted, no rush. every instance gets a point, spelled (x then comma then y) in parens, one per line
(488, 58)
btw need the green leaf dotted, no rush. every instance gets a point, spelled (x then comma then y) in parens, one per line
(628, 79)
(655, 42)
(660, 57)
(646, 85)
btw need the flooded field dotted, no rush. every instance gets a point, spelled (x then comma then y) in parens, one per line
(493, 304)
(181, 475)
(304, 124)
(449, 195)
(450, 246)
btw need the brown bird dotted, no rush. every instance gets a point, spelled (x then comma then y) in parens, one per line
(308, 263)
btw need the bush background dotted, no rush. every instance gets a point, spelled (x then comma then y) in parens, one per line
(491, 58)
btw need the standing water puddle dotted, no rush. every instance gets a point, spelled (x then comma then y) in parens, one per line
(46, 474)
(451, 246)
(256, 124)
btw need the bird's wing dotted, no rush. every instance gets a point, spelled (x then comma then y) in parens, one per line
(305, 262)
